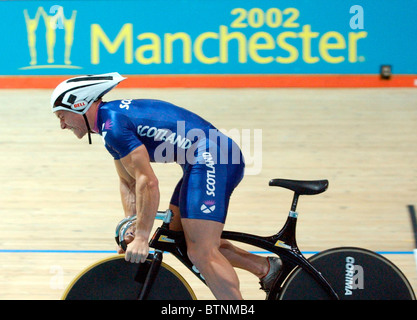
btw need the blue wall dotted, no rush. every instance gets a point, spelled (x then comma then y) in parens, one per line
(208, 37)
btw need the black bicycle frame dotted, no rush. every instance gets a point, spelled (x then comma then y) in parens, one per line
(282, 243)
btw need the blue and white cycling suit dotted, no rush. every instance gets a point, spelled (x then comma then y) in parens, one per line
(212, 163)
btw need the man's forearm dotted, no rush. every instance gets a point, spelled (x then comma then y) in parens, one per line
(128, 197)
(147, 202)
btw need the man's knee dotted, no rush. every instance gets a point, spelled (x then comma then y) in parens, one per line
(203, 240)
(200, 256)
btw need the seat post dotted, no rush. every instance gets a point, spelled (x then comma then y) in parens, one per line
(294, 202)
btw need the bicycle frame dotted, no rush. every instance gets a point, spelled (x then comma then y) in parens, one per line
(282, 243)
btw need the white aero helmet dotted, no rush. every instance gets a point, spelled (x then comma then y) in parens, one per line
(78, 94)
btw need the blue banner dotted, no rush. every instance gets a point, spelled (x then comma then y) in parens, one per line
(208, 37)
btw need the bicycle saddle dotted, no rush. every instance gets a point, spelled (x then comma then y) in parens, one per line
(301, 187)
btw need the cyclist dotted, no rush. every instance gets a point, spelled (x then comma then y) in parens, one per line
(138, 132)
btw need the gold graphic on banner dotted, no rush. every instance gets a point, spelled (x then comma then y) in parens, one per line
(52, 22)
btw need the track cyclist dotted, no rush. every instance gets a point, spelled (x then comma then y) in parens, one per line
(137, 132)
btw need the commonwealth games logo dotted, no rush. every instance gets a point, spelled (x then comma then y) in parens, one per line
(52, 22)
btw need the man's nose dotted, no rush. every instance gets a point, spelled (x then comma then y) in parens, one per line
(63, 125)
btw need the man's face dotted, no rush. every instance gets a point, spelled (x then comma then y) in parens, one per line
(72, 121)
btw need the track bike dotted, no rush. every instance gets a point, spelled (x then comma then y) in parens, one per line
(343, 273)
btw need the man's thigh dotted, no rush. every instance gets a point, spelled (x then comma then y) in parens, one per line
(204, 234)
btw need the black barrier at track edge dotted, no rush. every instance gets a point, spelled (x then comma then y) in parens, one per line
(413, 217)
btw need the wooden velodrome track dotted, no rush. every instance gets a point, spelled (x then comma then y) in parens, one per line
(59, 198)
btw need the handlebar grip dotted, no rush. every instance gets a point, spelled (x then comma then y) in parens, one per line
(123, 230)
(120, 225)
(127, 222)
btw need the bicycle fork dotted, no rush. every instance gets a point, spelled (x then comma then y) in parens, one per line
(151, 274)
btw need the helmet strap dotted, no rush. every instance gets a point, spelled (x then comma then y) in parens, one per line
(88, 128)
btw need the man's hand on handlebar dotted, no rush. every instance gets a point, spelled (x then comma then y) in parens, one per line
(137, 250)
